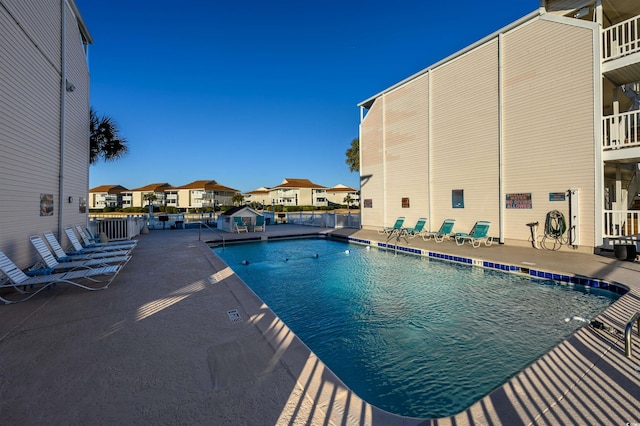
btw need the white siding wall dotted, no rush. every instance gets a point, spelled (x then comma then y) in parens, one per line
(30, 71)
(371, 167)
(465, 138)
(548, 122)
(406, 129)
(547, 134)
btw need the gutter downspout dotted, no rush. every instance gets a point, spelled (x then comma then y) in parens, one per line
(500, 142)
(429, 138)
(63, 90)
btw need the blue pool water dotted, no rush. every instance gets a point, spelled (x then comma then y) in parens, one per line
(413, 336)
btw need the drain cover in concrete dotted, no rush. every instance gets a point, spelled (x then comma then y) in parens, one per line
(234, 315)
(240, 361)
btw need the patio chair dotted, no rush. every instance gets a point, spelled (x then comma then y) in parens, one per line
(259, 224)
(88, 241)
(418, 229)
(477, 235)
(445, 231)
(67, 256)
(239, 225)
(77, 246)
(51, 264)
(395, 228)
(17, 280)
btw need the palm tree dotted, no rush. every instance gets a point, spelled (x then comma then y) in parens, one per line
(104, 139)
(237, 199)
(150, 197)
(348, 200)
(353, 155)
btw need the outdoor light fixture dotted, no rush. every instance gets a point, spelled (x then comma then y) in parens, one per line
(582, 12)
(70, 87)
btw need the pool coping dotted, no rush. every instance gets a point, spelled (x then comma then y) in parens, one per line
(547, 390)
(148, 344)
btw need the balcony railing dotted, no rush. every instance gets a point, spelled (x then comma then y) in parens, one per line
(621, 130)
(621, 39)
(621, 223)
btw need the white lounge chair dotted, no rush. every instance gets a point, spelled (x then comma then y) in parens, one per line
(88, 241)
(53, 265)
(77, 246)
(17, 280)
(67, 256)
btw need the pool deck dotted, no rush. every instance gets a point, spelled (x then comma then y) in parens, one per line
(177, 338)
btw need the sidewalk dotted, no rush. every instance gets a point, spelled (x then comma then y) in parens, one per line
(177, 338)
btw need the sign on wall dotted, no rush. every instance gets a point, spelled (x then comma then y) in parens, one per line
(46, 204)
(519, 201)
(557, 196)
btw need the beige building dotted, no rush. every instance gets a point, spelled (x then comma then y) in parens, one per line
(204, 193)
(298, 192)
(338, 193)
(44, 122)
(162, 194)
(110, 196)
(261, 196)
(540, 116)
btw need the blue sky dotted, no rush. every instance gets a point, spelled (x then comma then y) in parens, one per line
(248, 93)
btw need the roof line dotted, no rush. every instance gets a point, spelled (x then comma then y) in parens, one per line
(367, 103)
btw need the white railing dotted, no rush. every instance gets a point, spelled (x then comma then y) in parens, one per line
(621, 39)
(325, 219)
(621, 223)
(118, 228)
(621, 130)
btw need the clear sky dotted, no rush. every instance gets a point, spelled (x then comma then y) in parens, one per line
(250, 92)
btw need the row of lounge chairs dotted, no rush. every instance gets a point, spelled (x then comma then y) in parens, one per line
(90, 265)
(477, 236)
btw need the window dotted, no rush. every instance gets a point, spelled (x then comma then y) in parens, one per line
(405, 202)
(457, 198)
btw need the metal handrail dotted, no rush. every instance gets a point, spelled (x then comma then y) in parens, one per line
(627, 334)
(210, 229)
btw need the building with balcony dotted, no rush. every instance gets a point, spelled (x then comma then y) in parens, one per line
(540, 116)
(203, 194)
(298, 192)
(260, 196)
(339, 193)
(156, 193)
(109, 196)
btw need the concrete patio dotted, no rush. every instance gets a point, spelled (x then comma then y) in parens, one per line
(177, 338)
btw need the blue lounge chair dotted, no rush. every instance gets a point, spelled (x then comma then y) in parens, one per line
(239, 225)
(395, 228)
(479, 234)
(445, 231)
(418, 229)
(259, 224)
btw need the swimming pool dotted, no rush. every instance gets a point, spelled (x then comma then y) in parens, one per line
(413, 336)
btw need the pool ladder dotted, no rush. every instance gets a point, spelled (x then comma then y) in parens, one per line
(209, 228)
(627, 334)
(398, 233)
